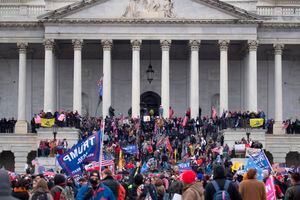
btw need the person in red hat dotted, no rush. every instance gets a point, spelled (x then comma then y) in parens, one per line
(192, 189)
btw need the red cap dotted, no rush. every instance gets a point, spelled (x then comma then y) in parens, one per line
(188, 177)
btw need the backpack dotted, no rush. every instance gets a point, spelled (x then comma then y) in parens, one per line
(221, 194)
(39, 196)
(67, 193)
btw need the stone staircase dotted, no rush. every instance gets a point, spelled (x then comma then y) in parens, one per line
(231, 135)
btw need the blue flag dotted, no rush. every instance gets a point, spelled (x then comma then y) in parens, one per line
(261, 160)
(84, 151)
(130, 149)
(144, 168)
(251, 165)
(184, 166)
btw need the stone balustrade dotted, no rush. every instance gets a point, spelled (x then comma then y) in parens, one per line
(21, 11)
(278, 11)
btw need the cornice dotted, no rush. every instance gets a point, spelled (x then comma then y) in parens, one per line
(20, 24)
(148, 21)
(280, 25)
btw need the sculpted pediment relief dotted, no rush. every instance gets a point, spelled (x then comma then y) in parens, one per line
(150, 9)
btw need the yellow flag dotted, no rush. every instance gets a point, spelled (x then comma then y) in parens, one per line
(236, 166)
(175, 155)
(120, 160)
(47, 123)
(258, 122)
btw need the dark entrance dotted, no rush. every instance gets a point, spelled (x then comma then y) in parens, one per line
(7, 160)
(150, 101)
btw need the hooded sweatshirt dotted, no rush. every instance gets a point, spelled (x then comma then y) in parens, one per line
(5, 189)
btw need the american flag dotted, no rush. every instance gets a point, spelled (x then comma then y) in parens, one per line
(105, 163)
(95, 165)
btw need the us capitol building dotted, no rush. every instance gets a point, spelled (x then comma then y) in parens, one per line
(230, 54)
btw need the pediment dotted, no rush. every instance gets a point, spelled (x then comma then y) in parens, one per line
(150, 9)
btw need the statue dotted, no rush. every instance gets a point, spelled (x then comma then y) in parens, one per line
(149, 9)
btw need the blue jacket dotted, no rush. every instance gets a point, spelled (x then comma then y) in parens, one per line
(101, 193)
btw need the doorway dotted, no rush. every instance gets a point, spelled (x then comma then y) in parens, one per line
(150, 101)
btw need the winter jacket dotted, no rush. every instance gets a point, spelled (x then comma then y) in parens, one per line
(293, 193)
(232, 191)
(112, 184)
(102, 192)
(20, 193)
(253, 189)
(193, 191)
(5, 189)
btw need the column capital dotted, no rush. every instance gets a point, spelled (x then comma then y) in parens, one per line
(49, 44)
(278, 48)
(77, 44)
(252, 45)
(223, 45)
(194, 45)
(107, 44)
(136, 45)
(165, 45)
(22, 46)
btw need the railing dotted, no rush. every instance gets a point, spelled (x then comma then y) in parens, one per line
(20, 11)
(278, 11)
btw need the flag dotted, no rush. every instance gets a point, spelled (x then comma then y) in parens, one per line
(257, 122)
(130, 149)
(175, 155)
(251, 165)
(261, 160)
(95, 165)
(84, 151)
(144, 168)
(61, 117)
(213, 112)
(47, 123)
(168, 145)
(100, 89)
(270, 189)
(37, 119)
(184, 166)
(236, 166)
(120, 161)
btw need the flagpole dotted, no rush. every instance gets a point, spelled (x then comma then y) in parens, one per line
(102, 124)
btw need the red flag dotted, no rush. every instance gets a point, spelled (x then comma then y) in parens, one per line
(168, 144)
(213, 112)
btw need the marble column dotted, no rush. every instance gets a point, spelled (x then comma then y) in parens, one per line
(223, 44)
(278, 48)
(135, 89)
(106, 99)
(21, 125)
(49, 84)
(194, 74)
(252, 76)
(165, 77)
(77, 84)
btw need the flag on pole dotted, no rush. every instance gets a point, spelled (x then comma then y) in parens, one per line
(120, 166)
(100, 89)
(213, 112)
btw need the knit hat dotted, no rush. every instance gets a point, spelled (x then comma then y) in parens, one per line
(59, 179)
(200, 176)
(188, 177)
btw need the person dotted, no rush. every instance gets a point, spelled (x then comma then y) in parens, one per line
(293, 192)
(138, 180)
(192, 189)
(220, 180)
(109, 181)
(5, 189)
(41, 191)
(95, 190)
(252, 188)
(20, 190)
(58, 189)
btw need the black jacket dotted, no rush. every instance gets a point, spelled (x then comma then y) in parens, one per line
(112, 184)
(5, 189)
(232, 191)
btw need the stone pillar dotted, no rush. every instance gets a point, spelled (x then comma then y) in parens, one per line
(106, 99)
(223, 44)
(252, 76)
(77, 84)
(278, 48)
(136, 46)
(194, 74)
(20, 159)
(165, 77)
(49, 85)
(21, 125)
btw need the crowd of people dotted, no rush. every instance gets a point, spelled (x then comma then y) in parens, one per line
(7, 125)
(221, 184)
(52, 147)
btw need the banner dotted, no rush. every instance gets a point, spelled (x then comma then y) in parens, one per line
(270, 189)
(184, 166)
(257, 122)
(130, 149)
(261, 161)
(83, 152)
(251, 165)
(47, 123)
